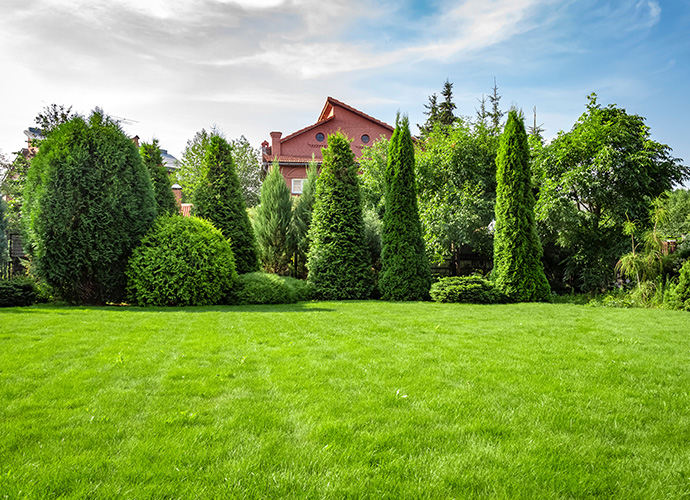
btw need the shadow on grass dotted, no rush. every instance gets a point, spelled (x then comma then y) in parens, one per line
(64, 309)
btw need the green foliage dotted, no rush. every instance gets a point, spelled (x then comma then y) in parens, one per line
(12, 184)
(261, 288)
(87, 203)
(372, 240)
(4, 241)
(681, 293)
(405, 272)
(456, 180)
(218, 198)
(17, 292)
(160, 181)
(182, 261)
(518, 271)
(466, 289)
(676, 204)
(51, 117)
(265, 288)
(373, 164)
(605, 170)
(272, 223)
(298, 234)
(338, 263)
(192, 170)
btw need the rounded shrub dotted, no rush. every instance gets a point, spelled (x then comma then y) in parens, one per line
(182, 261)
(17, 292)
(468, 289)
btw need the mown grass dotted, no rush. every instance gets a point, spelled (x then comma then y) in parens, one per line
(345, 400)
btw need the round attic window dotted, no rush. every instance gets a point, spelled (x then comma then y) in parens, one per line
(365, 138)
(320, 137)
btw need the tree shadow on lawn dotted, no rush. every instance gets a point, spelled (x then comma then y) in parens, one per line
(63, 308)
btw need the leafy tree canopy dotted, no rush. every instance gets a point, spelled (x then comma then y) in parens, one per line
(604, 171)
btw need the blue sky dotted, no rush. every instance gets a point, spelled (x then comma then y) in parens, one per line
(173, 67)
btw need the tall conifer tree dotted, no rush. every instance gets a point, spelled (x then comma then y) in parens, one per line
(338, 263)
(272, 223)
(405, 272)
(153, 160)
(219, 200)
(298, 236)
(518, 271)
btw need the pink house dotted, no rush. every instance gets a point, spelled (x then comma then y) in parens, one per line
(294, 151)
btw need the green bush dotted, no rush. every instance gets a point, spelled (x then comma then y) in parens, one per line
(302, 289)
(265, 288)
(87, 203)
(17, 292)
(182, 261)
(468, 289)
(681, 294)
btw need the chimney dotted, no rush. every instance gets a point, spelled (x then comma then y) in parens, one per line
(177, 192)
(275, 146)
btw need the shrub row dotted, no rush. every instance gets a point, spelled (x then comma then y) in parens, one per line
(17, 292)
(469, 289)
(263, 288)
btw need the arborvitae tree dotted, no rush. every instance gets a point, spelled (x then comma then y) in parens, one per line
(153, 160)
(218, 198)
(272, 223)
(518, 271)
(338, 263)
(88, 201)
(446, 115)
(405, 272)
(495, 114)
(298, 236)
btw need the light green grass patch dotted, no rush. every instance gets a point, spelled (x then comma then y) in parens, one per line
(345, 400)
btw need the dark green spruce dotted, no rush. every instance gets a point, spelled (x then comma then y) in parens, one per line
(338, 262)
(153, 160)
(405, 272)
(219, 200)
(518, 271)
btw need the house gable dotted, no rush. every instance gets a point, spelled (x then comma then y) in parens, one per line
(294, 151)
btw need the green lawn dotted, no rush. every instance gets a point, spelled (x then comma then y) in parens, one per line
(345, 400)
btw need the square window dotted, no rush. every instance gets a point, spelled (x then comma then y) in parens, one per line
(297, 186)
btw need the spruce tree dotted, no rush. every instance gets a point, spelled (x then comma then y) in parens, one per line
(405, 272)
(219, 199)
(153, 160)
(298, 236)
(87, 203)
(446, 109)
(272, 223)
(338, 263)
(518, 271)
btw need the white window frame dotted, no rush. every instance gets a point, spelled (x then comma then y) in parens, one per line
(297, 186)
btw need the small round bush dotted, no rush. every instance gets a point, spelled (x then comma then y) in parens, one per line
(261, 288)
(182, 261)
(17, 292)
(471, 289)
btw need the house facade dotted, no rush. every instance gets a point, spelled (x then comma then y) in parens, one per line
(294, 152)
